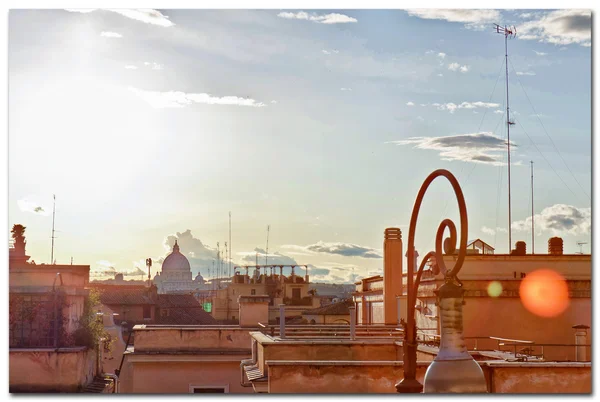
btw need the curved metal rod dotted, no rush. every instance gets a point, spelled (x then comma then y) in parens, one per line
(446, 223)
(409, 383)
(413, 300)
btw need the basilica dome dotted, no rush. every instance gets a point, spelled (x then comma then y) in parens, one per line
(176, 261)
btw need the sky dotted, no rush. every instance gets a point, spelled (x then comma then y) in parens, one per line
(153, 125)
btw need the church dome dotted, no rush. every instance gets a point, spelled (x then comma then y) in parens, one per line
(176, 261)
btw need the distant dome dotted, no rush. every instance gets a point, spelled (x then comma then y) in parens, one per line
(176, 261)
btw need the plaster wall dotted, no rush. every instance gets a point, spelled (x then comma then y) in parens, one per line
(48, 370)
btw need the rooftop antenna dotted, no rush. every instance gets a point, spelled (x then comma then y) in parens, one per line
(581, 244)
(508, 32)
(226, 256)
(532, 215)
(53, 215)
(267, 251)
(218, 262)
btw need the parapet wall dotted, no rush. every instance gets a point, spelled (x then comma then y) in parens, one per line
(51, 370)
(380, 377)
(157, 338)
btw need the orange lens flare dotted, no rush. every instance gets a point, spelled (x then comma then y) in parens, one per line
(544, 293)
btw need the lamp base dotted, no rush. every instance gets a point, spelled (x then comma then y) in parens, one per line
(409, 386)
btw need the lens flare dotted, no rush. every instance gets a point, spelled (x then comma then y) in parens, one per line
(494, 289)
(544, 293)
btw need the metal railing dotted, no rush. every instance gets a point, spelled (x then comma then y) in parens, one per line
(524, 353)
(332, 331)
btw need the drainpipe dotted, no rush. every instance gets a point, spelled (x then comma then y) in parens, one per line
(282, 321)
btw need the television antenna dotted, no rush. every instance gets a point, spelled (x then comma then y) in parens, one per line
(267, 250)
(581, 244)
(509, 33)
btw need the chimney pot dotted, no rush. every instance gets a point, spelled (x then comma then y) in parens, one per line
(555, 246)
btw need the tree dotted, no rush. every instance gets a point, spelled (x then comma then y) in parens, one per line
(18, 231)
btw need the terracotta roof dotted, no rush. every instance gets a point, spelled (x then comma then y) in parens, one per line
(177, 300)
(340, 308)
(126, 296)
(186, 316)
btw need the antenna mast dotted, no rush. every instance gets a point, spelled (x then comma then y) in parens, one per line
(507, 32)
(267, 251)
(53, 215)
(532, 214)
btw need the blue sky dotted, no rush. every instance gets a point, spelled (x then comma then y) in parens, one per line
(152, 125)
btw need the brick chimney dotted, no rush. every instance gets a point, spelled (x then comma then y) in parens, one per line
(520, 248)
(392, 273)
(555, 246)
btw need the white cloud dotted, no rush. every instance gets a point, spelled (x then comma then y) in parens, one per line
(440, 75)
(498, 111)
(325, 51)
(107, 34)
(35, 207)
(452, 107)
(525, 73)
(131, 67)
(487, 230)
(561, 27)
(149, 16)
(410, 104)
(559, 219)
(153, 65)
(333, 18)
(483, 147)
(333, 51)
(456, 67)
(171, 99)
(476, 19)
(540, 53)
(441, 55)
(336, 248)
(80, 10)
(273, 101)
(345, 89)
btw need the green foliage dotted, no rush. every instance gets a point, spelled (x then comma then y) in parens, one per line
(91, 326)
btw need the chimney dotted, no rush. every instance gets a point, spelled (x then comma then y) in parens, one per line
(555, 246)
(253, 309)
(520, 248)
(392, 273)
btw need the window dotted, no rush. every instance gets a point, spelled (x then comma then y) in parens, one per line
(209, 389)
(253, 291)
(523, 274)
(296, 293)
(147, 314)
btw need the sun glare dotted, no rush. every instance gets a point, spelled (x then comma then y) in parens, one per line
(544, 293)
